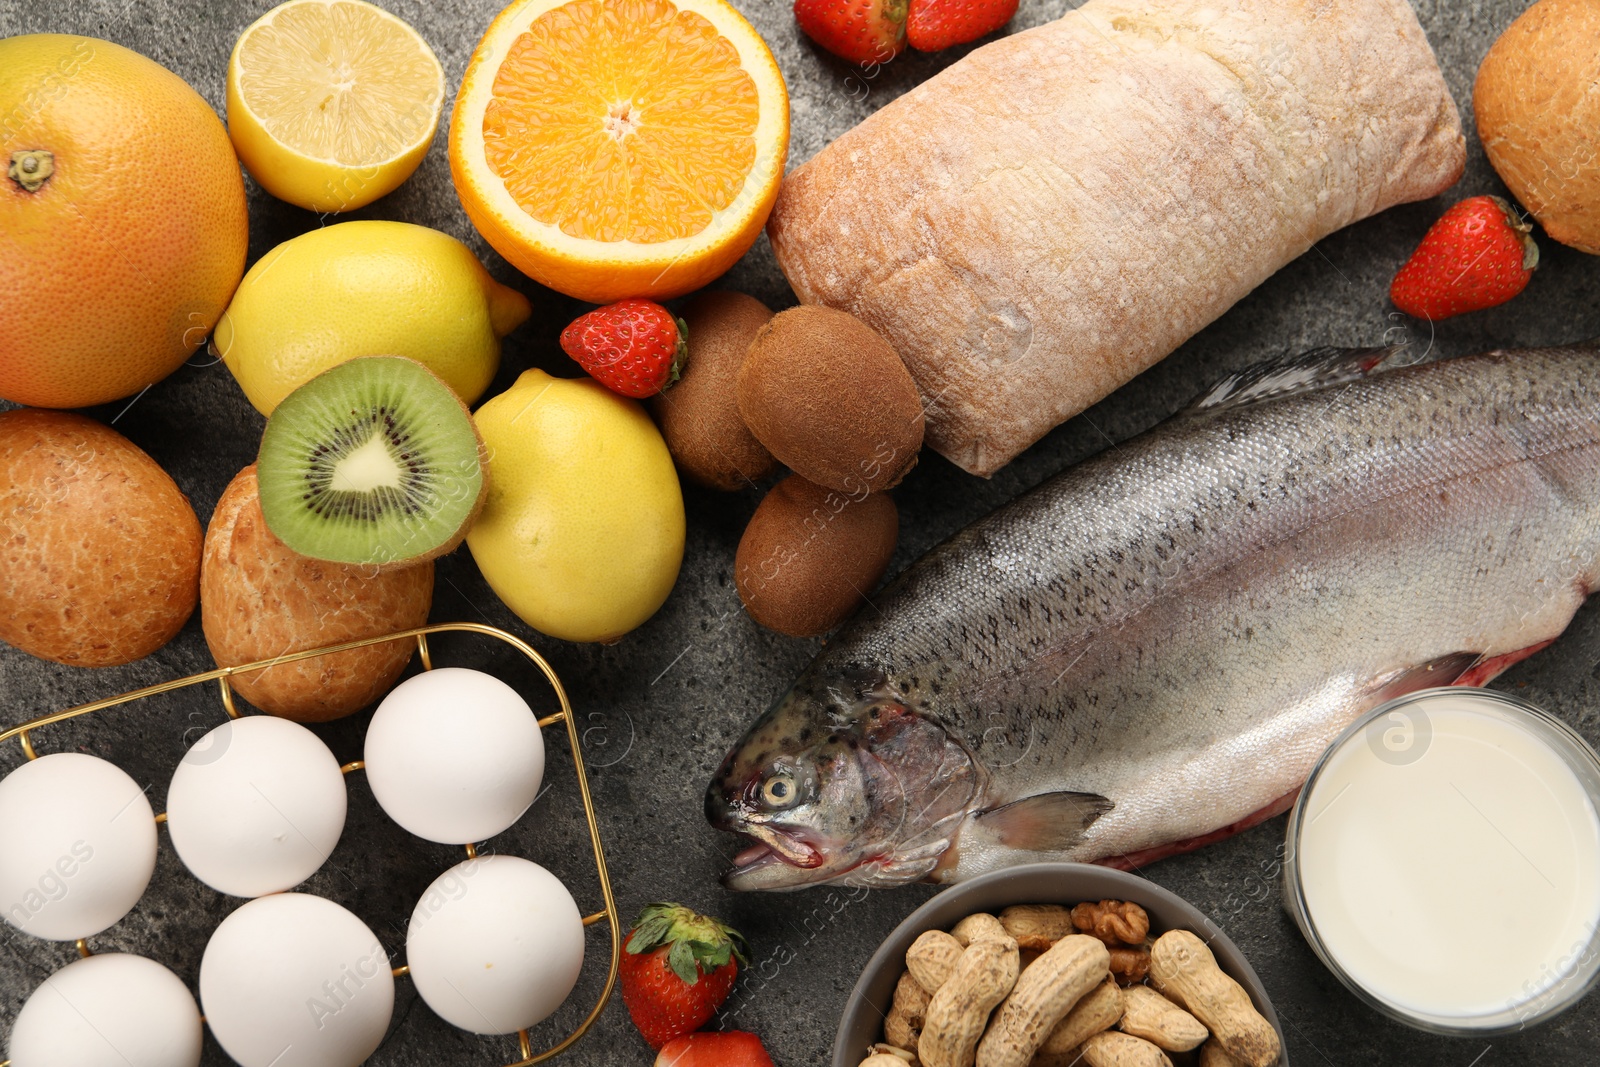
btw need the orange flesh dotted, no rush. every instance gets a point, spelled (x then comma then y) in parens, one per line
(622, 120)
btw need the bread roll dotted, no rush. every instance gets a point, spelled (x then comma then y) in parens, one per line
(1538, 113)
(1062, 208)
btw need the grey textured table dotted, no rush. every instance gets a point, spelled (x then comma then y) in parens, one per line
(660, 708)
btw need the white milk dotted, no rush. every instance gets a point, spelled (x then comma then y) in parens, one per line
(1453, 876)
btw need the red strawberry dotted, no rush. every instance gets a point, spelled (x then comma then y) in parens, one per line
(862, 31)
(1477, 255)
(632, 347)
(733, 1049)
(677, 969)
(936, 24)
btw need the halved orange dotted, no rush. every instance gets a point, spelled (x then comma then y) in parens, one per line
(618, 148)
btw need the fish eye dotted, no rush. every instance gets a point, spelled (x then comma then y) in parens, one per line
(778, 790)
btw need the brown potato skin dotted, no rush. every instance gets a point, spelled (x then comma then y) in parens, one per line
(99, 548)
(699, 415)
(811, 555)
(1537, 111)
(259, 600)
(831, 399)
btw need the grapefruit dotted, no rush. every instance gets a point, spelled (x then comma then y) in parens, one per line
(122, 221)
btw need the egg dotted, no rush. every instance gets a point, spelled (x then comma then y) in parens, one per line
(111, 1010)
(256, 806)
(454, 755)
(495, 945)
(77, 846)
(294, 980)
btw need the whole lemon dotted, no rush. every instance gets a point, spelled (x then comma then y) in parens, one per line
(582, 534)
(366, 289)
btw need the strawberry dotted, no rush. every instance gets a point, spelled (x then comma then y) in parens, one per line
(862, 31)
(733, 1049)
(632, 347)
(677, 969)
(1477, 255)
(935, 24)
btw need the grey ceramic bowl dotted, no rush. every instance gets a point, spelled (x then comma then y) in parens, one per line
(1037, 883)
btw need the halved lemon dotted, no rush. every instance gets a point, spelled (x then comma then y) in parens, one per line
(332, 103)
(619, 148)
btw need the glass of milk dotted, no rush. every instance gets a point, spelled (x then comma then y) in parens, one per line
(1443, 860)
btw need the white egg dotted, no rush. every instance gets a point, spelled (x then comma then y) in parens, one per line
(256, 806)
(111, 1010)
(296, 981)
(77, 846)
(495, 945)
(454, 756)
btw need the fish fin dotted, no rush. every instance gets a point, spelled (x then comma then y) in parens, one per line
(1446, 670)
(1049, 822)
(1132, 861)
(1485, 670)
(1303, 373)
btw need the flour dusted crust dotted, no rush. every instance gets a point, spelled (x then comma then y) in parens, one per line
(1062, 208)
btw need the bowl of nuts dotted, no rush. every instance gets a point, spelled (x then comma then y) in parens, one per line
(1055, 965)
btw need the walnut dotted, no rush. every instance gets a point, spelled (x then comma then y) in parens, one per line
(1129, 965)
(1116, 922)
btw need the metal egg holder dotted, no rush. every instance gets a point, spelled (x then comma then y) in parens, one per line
(420, 635)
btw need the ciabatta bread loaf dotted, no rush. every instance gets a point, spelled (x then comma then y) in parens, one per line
(1062, 208)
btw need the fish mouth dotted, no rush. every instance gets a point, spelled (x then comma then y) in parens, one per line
(786, 847)
(749, 864)
(764, 865)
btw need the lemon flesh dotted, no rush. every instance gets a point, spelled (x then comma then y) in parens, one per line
(582, 532)
(332, 104)
(363, 289)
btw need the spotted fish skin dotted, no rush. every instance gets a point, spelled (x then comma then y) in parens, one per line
(1159, 642)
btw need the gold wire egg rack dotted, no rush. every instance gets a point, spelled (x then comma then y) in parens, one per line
(221, 675)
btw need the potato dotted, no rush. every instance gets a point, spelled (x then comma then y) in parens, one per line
(831, 399)
(811, 555)
(699, 416)
(99, 549)
(1537, 112)
(260, 600)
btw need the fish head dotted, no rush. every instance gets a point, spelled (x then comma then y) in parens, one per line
(836, 785)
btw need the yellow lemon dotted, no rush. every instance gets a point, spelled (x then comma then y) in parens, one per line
(332, 103)
(582, 534)
(366, 289)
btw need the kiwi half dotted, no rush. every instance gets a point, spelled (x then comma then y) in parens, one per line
(373, 462)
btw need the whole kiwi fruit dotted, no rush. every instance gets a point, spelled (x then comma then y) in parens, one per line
(260, 600)
(831, 399)
(699, 416)
(811, 555)
(99, 549)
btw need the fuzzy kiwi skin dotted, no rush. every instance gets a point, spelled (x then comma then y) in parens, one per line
(401, 563)
(831, 399)
(99, 549)
(699, 415)
(811, 555)
(259, 600)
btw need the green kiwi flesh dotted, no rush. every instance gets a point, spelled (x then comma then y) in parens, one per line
(374, 462)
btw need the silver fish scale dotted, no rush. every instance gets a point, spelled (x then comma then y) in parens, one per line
(1183, 623)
